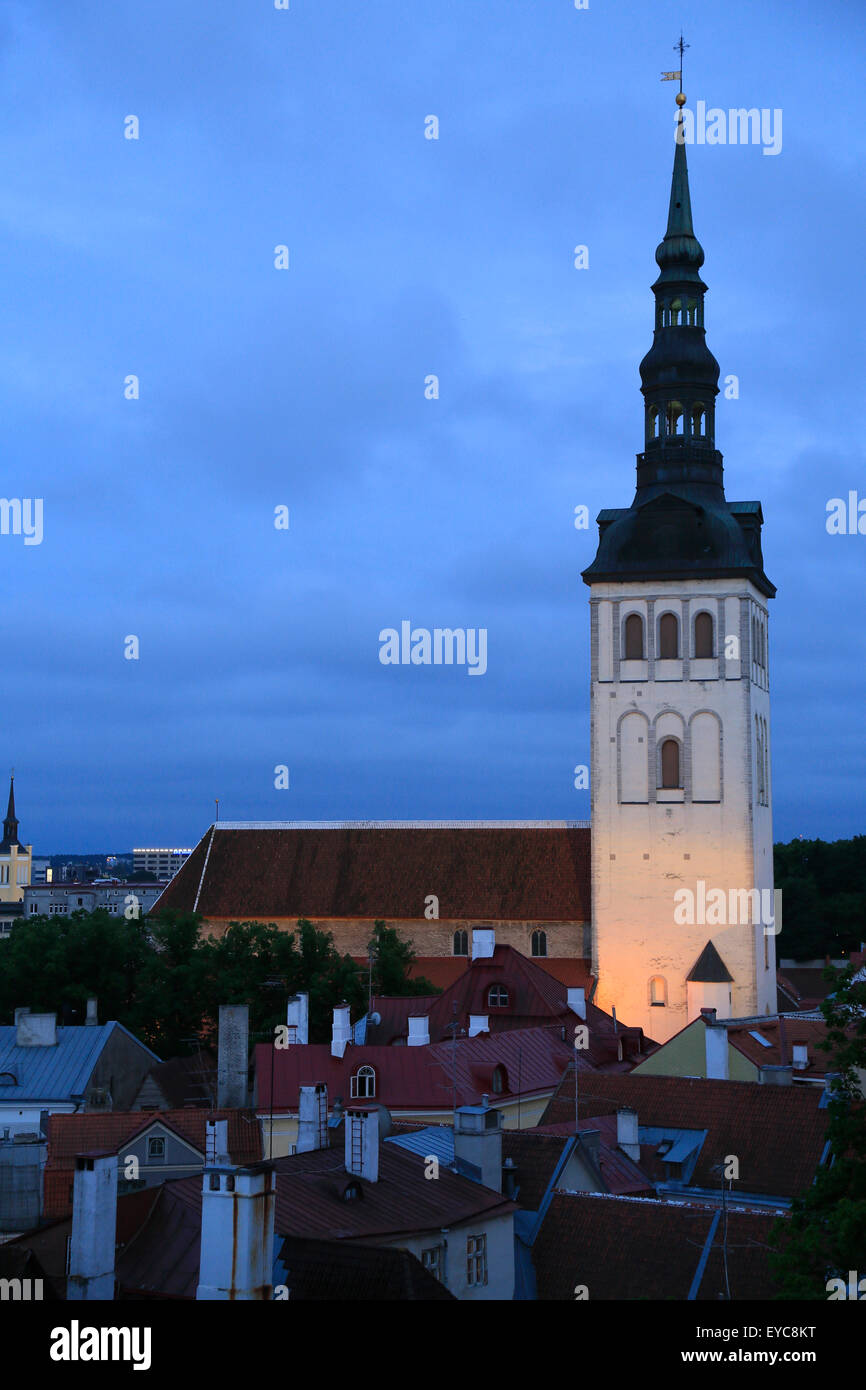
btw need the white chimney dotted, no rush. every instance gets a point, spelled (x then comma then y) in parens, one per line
(216, 1150)
(716, 1043)
(478, 1023)
(627, 1135)
(237, 1233)
(419, 1031)
(35, 1030)
(478, 1145)
(92, 1019)
(298, 1018)
(483, 942)
(362, 1144)
(312, 1119)
(94, 1221)
(801, 1056)
(577, 1002)
(341, 1034)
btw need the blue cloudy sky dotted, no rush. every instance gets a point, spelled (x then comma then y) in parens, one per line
(305, 388)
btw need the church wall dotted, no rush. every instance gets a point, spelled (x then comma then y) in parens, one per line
(432, 938)
(644, 851)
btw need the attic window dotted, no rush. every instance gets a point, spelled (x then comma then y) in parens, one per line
(353, 1192)
(363, 1085)
(759, 1038)
(497, 997)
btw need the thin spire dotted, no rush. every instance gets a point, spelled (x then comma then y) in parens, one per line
(10, 824)
(10, 810)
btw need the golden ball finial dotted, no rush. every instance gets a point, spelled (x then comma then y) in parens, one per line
(681, 98)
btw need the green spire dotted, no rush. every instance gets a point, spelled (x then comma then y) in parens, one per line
(680, 255)
(680, 209)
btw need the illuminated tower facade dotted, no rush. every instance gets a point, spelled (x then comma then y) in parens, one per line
(681, 800)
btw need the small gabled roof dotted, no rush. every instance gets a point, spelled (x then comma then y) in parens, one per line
(60, 1072)
(709, 968)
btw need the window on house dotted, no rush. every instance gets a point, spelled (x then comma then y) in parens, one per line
(703, 635)
(460, 944)
(669, 638)
(156, 1148)
(539, 943)
(364, 1083)
(497, 997)
(634, 637)
(476, 1261)
(500, 1080)
(670, 764)
(431, 1259)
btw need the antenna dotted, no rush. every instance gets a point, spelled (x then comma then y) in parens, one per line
(217, 804)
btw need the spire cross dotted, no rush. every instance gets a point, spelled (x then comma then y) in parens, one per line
(681, 48)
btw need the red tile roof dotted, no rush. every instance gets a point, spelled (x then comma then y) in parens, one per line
(776, 1132)
(417, 1078)
(637, 1248)
(69, 1135)
(518, 873)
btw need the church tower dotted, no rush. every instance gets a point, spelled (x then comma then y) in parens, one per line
(682, 843)
(15, 858)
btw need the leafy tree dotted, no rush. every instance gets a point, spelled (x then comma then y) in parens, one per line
(823, 896)
(825, 1236)
(392, 960)
(52, 963)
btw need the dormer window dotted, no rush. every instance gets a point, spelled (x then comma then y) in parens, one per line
(352, 1192)
(460, 943)
(497, 997)
(363, 1084)
(499, 1082)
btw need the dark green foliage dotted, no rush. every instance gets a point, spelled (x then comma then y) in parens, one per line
(823, 897)
(826, 1234)
(165, 981)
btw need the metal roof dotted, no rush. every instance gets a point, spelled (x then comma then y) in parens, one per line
(60, 1072)
(433, 1141)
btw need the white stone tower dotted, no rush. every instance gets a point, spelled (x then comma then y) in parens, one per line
(682, 844)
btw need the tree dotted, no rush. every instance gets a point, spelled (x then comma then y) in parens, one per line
(50, 964)
(392, 960)
(825, 1236)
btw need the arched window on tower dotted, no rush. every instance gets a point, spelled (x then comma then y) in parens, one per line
(460, 945)
(703, 635)
(676, 311)
(539, 943)
(699, 420)
(634, 637)
(653, 420)
(759, 760)
(692, 311)
(675, 418)
(669, 764)
(669, 637)
(658, 991)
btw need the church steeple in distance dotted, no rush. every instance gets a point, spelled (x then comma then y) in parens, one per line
(680, 524)
(10, 823)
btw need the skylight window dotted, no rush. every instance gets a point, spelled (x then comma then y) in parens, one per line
(758, 1038)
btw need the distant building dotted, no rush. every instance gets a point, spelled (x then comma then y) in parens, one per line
(62, 899)
(41, 871)
(15, 858)
(162, 863)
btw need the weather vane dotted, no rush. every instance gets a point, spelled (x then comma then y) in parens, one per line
(680, 48)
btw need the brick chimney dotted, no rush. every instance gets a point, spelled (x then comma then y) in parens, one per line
(483, 942)
(233, 1056)
(298, 1018)
(341, 1031)
(627, 1133)
(478, 1145)
(419, 1031)
(237, 1227)
(362, 1143)
(35, 1030)
(716, 1045)
(312, 1118)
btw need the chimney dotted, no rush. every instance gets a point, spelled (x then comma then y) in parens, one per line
(577, 1002)
(35, 1030)
(216, 1152)
(341, 1033)
(92, 1019)
(233, 1056)
(419, 1031)
(478, 1023)
(478, 1145)
(801, 1056)
(776, 1076)
(716, 1045)
(483, 942)
(298, 1018)
(627, 1134)
(509, 1178)
(94, 1221)
(362, 1144)
(237, 1233)
(312, 1119)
